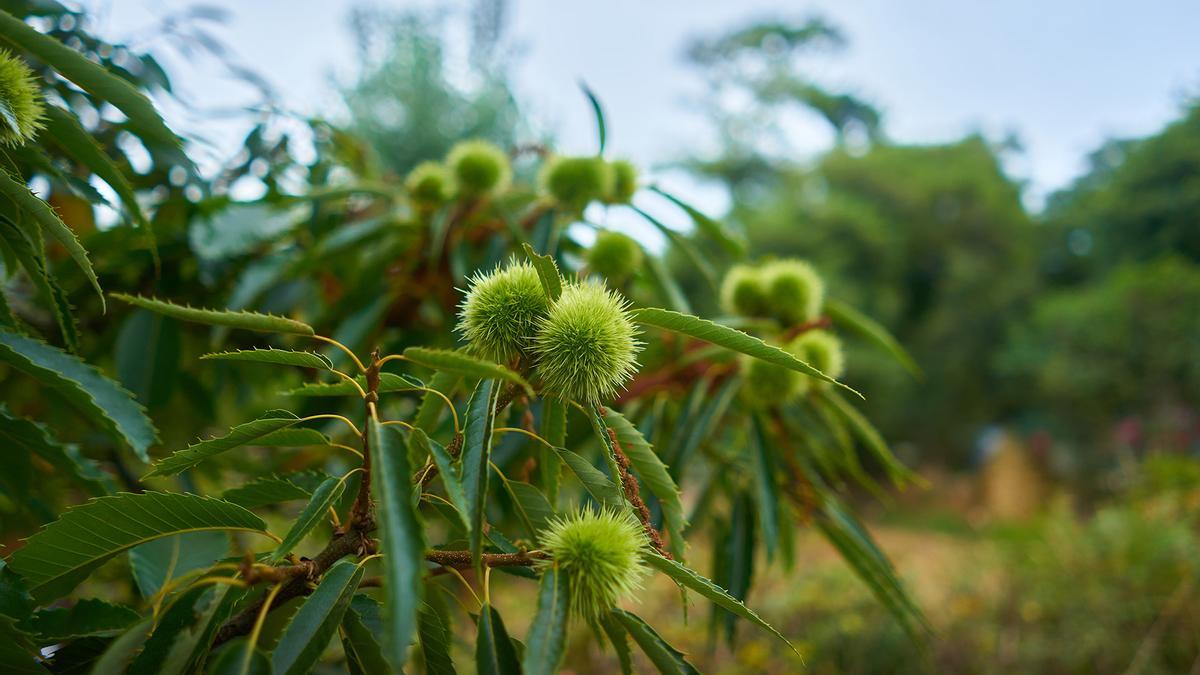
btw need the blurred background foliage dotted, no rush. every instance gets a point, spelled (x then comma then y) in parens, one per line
(1076, 325)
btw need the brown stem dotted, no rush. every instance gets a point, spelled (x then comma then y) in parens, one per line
(462, 559)
(800, 329)
(361, 512)
(633, 492)
(353, 542)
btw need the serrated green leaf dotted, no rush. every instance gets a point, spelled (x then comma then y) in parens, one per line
(147, 351)
(265, 490)
(533, 508)
(46, 218)
(360, 629)
(862, 428)
(253, 321)
(157, 562)
(64, 130)
(292, 437)
(30, 254)
(90, 617)
(554, 430)
(450, 361)
(449, 471)
(706, 225)
(845, 316)
(17, 650)
(859, 551)
(62, 554)
(547, 272)
(766, 490)
(547, 638)
(317, 509)
(272, 420)
(388, 383)
(731, 339)
(282, 357)
(687, 577)
(120, 652)
(314, 624)
(17, 432)
(434, 635)
(598, 485)
(184, 632)
(619, 638)
(239, 657)
(101, 399)
(654, 475)
(477, 453)
(432, 406)
(402, 540)
(494, 653)
(666, 659)
(90, 77)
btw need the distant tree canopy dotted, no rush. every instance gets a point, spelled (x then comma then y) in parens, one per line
(1140, 200)
(410, 103)
(1015, 317)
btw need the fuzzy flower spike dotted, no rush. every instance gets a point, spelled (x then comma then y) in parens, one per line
(21, 109)
(501, 311)
(586, 347)
(600, 554)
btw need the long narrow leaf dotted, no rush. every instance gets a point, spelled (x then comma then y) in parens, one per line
(729, 338)
(314, 624)
(56, 559)
(263, 323)
(477, 452)
(402, 541)
(272, 420)
(461, 364)
(95, 395)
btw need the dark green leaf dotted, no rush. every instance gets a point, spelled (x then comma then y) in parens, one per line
(157, 562)
(547, 639)
(314, 624)
(467, 366)
(845, 316)
(87, 618)
(654, 475)
(45, 216)
(690, 579)
(494, 653)
(16, 432)
(449, 470)
(477, 453)
(265, 490)
(666, 659)
(388, 383)
(599, 486)
(184, 632)
(272, 420)
(402, 541)
(360, 637)
(731, 339)
(148, 357)
(239, 657)
(264, 323)
(619, 637)
(433, 407)
(121, 652)
(316, 511)
(435, 641)
(862, 428)
(96, 396)
(282, 357)
(547, 272)
(56, 559)
(766, 490)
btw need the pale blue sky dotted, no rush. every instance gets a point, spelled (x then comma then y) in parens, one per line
(1062, 74)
